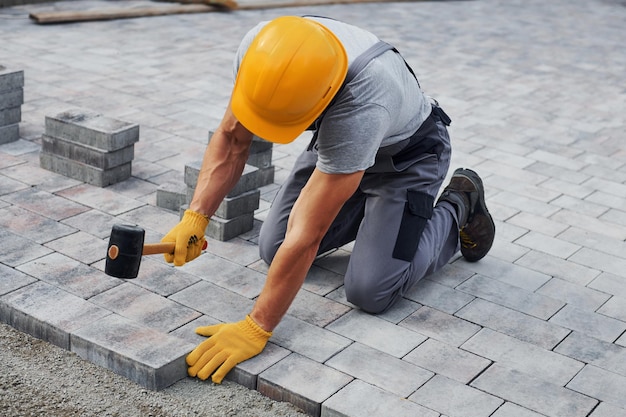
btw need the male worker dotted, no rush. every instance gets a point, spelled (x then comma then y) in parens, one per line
(378, 158)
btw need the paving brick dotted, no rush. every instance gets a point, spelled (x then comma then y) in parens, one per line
(359, 399)
(80, 246)
(610, 284)
(103, 200)
(248, 181)
(308, 340)
(86, 154)
(12, 279)
(144, 307)
(69, 275)
(319, 280)
(380, 369)
(590, 224)
(94, 222)
(227, 274)
(10, 78)
(533, 393)
(607, 410)
(11, 98)
(438, 296)
(245, 203)
(513, 410)
(144, 355)
(518, 299)
(543, 243)
(92, 129)
(507, 272)
(575, 295)
(161, 278)
(10, 116)
(18, 250)
(82, 172)
(601, 384)
(455, 399)
(9, 133)
(605, 355)
(524, 357)
(171, 196)
(440, 326)
(589, 323)
(214, 301)
(32, 226)
(569, 271)
(615, 308)
(48, 312)
(315, 309)
(302, 382)
(226, 229)
(446, 360)
(376, 333)
(596, 240)
(513, 323)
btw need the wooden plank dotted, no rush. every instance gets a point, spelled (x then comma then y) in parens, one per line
(189, 6)
(118, 13)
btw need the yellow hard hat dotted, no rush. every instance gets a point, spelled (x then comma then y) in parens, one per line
(290, 73)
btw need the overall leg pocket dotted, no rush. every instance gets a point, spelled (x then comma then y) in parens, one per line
(418, 209)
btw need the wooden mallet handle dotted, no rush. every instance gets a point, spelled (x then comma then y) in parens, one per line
(151, 249)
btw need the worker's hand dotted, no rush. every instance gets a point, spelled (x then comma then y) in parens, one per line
(188, 236)
(228, 345)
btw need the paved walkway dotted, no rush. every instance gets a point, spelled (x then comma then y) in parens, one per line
(536, 91)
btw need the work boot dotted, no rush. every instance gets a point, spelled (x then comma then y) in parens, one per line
(476, 227)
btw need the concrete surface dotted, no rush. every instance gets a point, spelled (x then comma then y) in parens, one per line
(537, 328)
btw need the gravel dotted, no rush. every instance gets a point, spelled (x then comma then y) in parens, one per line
(40, 379)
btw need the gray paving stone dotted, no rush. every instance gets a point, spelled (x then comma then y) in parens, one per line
(144, 307)
(315, 309)
(441, 297)
(239, 205)
(589, 323)
(69, 275)
(513, 410)
(93, 129)
(607, 410)
(11, 98)
(144, 355)
(45, 204)
(249, 179)
(32, 226)
(615, 308)
(440, 326)
(359, 399)
(87, 155)
(226, 229)
(507, 272)
(9, 133)
(557, 267)
(86, 173)
(227, 274)
(214, 301)
(449, 361)
(455, 399)
(594, 239)
(524, 357)
(10, 78)
(575, 295)
(506, 295)
(376, 333)
(610, 284)
(601, 384)
(80, 246)
(48, 313)
(161, 278)
(12, 280)
(10, 116)
(301, 381)
(18, 250)
(308, 340)
(380, 369)
(605, 355)
(513, 323)
(533, 393)
(171, 196)
(94, 222)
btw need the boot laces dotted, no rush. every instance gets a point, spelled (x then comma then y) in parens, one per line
(466, 240)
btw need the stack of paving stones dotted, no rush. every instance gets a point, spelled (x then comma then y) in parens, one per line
(235, 215)
(89, 147)
(11, 100)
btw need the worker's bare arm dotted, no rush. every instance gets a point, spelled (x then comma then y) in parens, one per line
(313, 213)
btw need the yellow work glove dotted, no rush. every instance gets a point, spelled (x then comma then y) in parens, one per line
(189, 238)
(228, 345)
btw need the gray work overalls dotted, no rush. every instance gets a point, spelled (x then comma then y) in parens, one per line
(399, 235)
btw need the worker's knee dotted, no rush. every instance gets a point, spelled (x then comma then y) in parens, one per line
(369, 298)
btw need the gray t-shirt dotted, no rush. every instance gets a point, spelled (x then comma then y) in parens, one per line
(381, 106)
